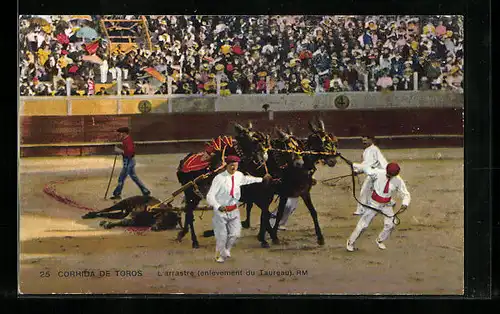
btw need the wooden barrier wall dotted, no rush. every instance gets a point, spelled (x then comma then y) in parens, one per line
(198, 126)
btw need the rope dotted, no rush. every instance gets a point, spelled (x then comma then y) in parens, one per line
(395, 218)
(337, 179)
(306, 152)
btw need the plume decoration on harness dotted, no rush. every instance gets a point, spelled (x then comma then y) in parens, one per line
(196, 162)
(395, 218)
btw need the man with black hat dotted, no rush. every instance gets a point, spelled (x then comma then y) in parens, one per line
(128, 152)
(223, 196)
(385, 184)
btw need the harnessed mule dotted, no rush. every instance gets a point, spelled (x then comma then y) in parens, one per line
(262, 195)
(246, 147)
(294, 162)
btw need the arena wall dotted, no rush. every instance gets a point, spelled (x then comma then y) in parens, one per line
(437, 125)
(64, 106)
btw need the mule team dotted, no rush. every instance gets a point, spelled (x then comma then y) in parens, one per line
(254, 169)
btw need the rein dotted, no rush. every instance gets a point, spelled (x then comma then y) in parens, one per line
(395, 218)
(305, 152)
(335, 179)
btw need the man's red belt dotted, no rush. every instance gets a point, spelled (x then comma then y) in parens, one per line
(379, 198)
(231, 208)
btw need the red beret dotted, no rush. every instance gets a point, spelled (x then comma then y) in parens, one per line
(232, 158)
(123, 130)
(393, 169)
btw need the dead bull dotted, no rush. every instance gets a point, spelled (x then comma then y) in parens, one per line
(133, 211)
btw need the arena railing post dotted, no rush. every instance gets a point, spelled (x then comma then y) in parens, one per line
(68, 97)
(68, 86)
(415, 81)
(169, 85)
(118, 81)
(217, 79)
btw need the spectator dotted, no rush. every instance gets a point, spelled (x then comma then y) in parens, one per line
(288, 48)
(102, 91)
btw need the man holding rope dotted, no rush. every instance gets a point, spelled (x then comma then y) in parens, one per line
(223, 196)
(385, 184)
(373, 158)
(128, 152)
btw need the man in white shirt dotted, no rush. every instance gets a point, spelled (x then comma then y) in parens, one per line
(385, 184)
(223, 196)
(373, 158)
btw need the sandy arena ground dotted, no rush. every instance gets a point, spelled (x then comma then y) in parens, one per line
(424, 255)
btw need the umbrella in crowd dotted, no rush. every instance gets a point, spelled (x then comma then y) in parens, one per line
(157, 75)
(38, 21)
(92, 59)
(79, 18)
(87, 33)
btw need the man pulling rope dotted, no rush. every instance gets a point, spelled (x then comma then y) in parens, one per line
(385, 184)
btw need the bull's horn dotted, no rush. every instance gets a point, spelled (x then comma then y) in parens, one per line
(250, 125)
(289, 130)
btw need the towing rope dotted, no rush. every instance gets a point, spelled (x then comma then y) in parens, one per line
(395, 218)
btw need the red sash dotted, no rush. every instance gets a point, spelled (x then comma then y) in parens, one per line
(379, 198)
(231, 208)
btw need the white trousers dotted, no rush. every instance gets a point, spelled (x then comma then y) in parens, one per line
(104, 73)
(125, 73)
(290, 207)
(227, 229)
(365, 195)
(113, 73)
(366, 219)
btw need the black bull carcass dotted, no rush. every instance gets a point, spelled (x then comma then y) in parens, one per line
(133, 211)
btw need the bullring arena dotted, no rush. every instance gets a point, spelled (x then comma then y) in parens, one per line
(180, 81)
(424, 256)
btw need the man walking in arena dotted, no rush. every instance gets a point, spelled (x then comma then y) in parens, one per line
(128, 152)
(373, 158)
(385, 184)
(223, 196)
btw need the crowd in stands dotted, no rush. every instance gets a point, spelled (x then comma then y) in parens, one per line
(245, 54)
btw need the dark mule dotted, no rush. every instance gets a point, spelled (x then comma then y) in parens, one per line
(262, 194)
(246, 147)
(132, 211)
(295, 170)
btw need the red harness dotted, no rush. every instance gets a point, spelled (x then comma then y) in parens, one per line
(195, 163)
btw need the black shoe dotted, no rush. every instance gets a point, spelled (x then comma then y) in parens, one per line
(146, 194)
(115, 197)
